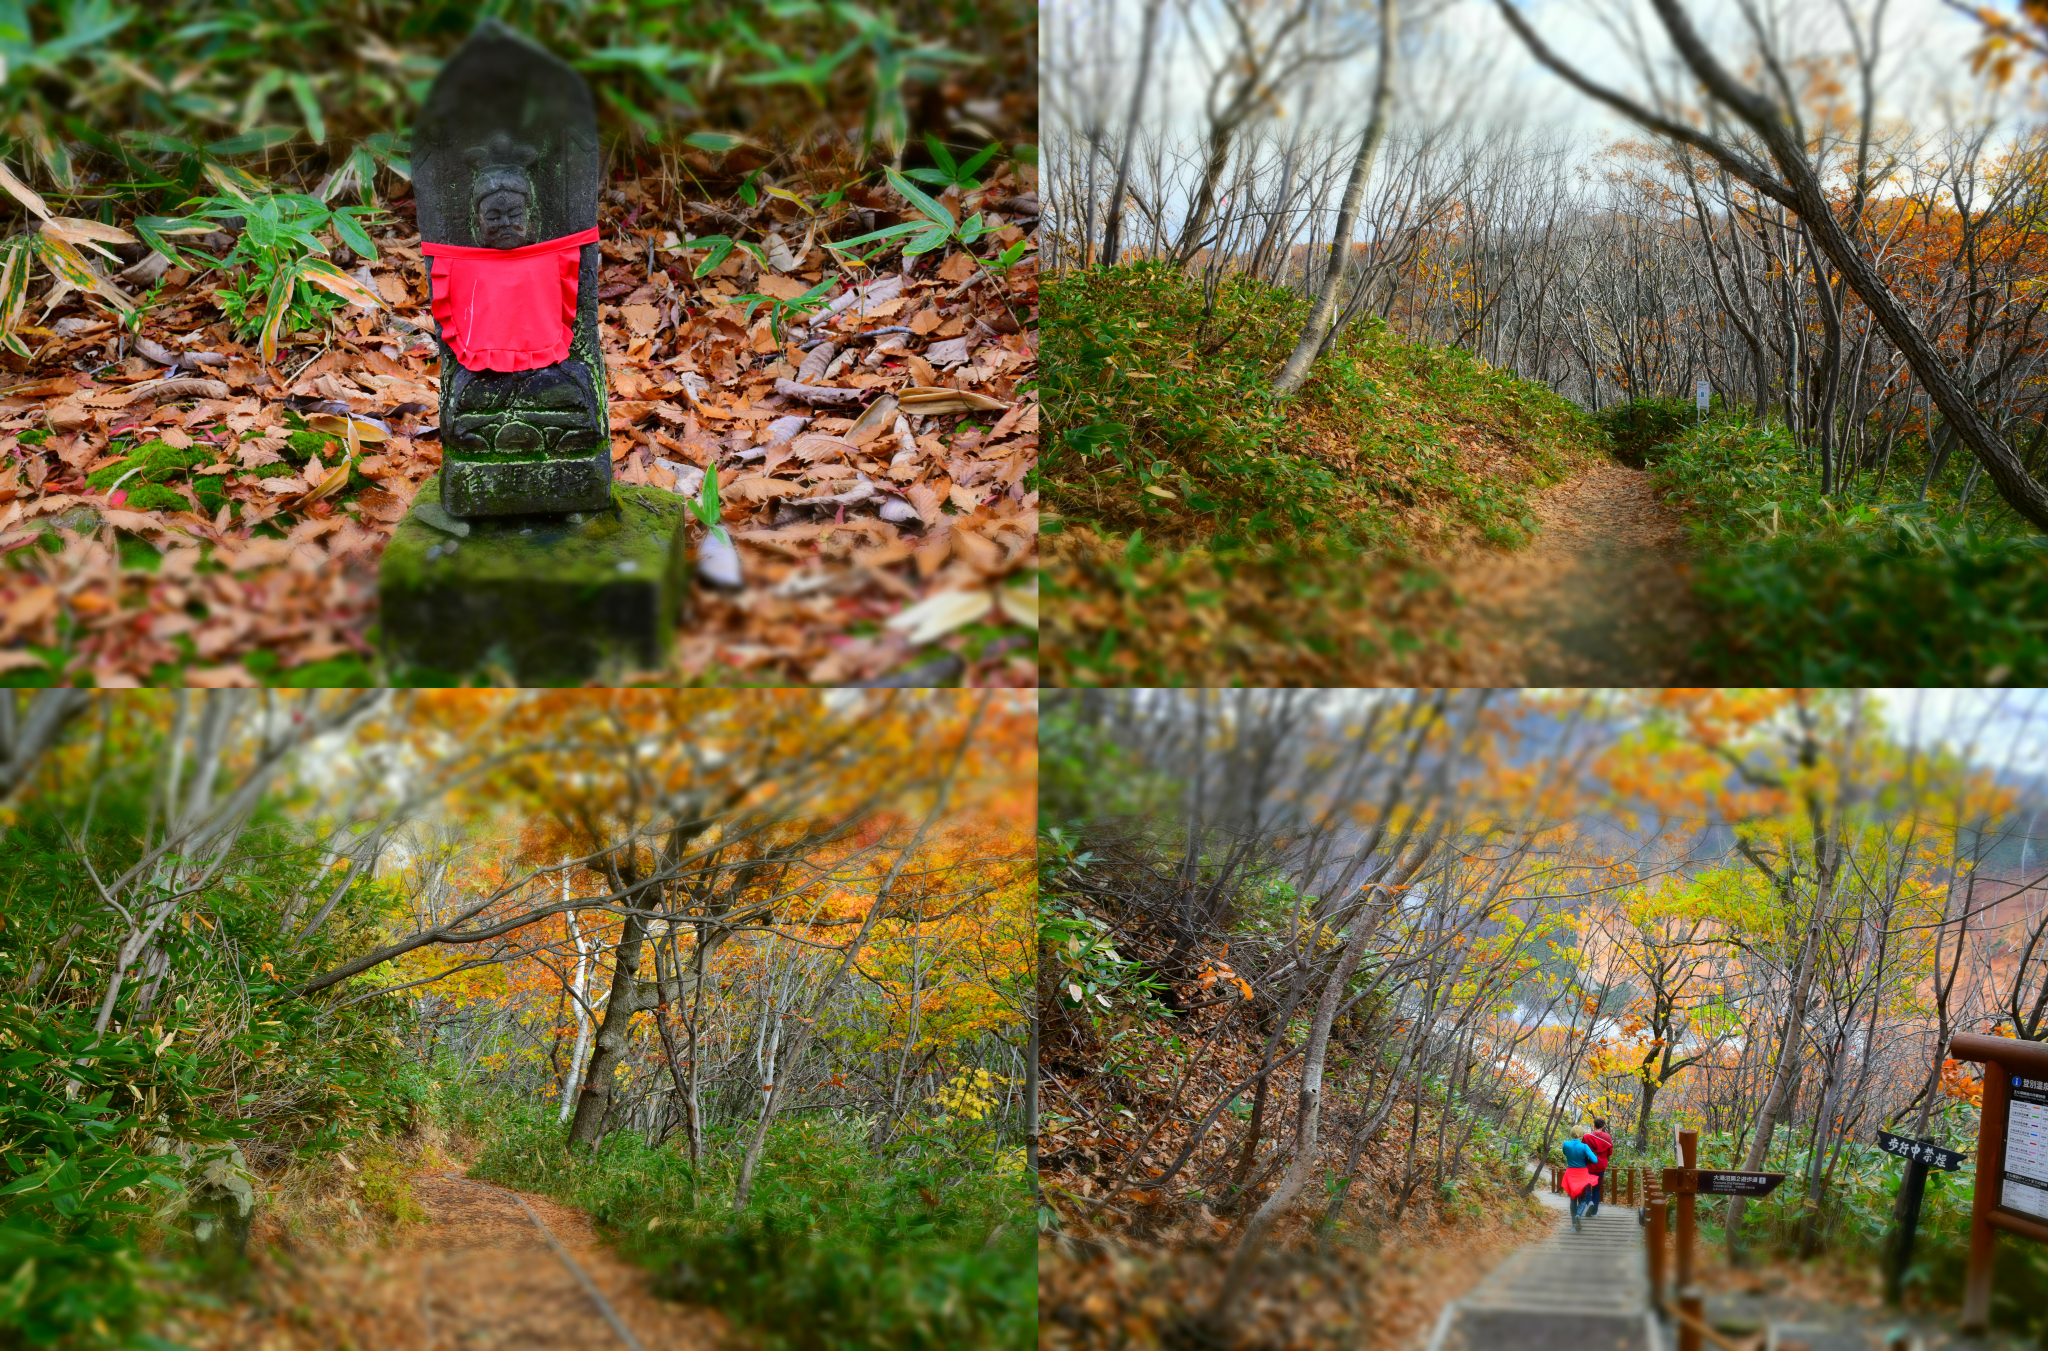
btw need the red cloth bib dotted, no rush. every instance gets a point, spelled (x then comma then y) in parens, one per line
(507, 309)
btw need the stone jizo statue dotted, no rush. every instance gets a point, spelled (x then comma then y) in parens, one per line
(506, 171)
(533, 564)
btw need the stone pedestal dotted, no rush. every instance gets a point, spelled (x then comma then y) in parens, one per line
(545, 599)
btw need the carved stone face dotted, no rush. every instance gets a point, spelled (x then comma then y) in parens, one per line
(501, 220)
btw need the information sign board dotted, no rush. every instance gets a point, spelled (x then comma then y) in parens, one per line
(2011, 1193)
(2024, 1183)
(1706, 1182)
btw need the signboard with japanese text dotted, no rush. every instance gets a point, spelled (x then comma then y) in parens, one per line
(2023, 1187)
(1707, 1182)
(1919, 1151)
(2011, 1191)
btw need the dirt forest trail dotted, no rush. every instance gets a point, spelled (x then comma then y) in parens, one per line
(1599, 597)
(477, 1276)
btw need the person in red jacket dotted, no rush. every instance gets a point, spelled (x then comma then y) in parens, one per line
(1602, 1145)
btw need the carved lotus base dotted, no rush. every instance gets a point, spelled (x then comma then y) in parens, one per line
(523, 442)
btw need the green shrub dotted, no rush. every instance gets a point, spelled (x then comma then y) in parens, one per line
(224, 1055)
(75, 1182)
(1814, 590)
(1200, 532)
(1642, 429)
(838, 1250)
(1170, 425)
(387, 1185)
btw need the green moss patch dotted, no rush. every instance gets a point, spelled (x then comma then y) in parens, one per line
(154, 462)
(544, 599)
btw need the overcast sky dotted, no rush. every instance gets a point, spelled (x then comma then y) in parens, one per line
(2000, 729)
(1925, 46)
(1466, 55)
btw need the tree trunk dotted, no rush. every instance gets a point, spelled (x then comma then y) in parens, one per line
(1643, 1117)
(583, 1020)
(611, 1036)
(1113, 226)
(1031, 1094)
(1295, 372)
(1791, 1035)
(1801, 190)
(1310, 1112)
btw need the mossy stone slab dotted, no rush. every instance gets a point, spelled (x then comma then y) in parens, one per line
(547, 599)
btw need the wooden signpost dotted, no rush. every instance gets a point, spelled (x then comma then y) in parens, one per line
(2012, 1157)
(1920, 1155)
(1688, 1183)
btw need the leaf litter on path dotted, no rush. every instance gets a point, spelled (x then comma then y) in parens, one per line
(477, 1274)
(1600, 596)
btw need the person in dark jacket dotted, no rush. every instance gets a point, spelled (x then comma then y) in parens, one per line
(1579, 1159)
(1602, 1145)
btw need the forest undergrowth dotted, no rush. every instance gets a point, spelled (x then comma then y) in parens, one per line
(1204, 534)
(1173, 1084)
(1884, 583)
(234, 1057)
(831, 1254)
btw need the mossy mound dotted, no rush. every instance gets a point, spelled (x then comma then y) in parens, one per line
(154, 462)
(544, 599)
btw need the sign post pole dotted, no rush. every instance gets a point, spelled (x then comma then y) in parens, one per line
(2011, 1191)
(1990, 1156)
(1909, 1220)
(1690, 1306)
(1655, 1234)
(1920, 1155)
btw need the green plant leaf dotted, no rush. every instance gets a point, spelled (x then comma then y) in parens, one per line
(649, 123)
(981, 157)
(934, 237)
(718, 142)
(889, 233)
(280, 298)
(309, 106)
(721, 249)
(920, 199)
(266, 84)
(14, 290)
(354, 235)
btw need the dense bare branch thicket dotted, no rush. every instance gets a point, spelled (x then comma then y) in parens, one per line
(1398, 941)
(1868, 281)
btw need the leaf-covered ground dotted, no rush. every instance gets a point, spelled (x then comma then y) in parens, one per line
(1205, 534)
(173, 508)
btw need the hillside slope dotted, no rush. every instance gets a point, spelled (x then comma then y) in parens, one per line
(1201, 534)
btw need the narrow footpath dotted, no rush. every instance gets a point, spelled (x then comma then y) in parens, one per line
(480, 1275)
(1569, 1291)
(1599, 597)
